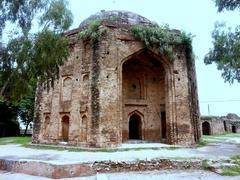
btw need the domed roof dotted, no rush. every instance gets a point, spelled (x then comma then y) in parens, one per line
(122, 17)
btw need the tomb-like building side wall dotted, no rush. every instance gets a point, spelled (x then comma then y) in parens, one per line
(107, 88)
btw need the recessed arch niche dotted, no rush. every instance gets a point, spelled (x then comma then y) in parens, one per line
(84, 128)
(144, 89)
(67, 89)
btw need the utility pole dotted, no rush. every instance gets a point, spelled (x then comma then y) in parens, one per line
(1, 40)
(208, 110)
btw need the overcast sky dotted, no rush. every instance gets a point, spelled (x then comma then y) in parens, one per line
(193, 16)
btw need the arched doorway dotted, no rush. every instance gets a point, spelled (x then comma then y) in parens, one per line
(163, 125)
(206, 128)
(234, 129)
(84, 128)
(65, 128)
(144, 87)
(135, 127)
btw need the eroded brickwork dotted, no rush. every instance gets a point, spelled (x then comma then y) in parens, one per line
(116, 90)
(211, 125)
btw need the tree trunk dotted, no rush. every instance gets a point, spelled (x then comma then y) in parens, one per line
(25, 132)
(5, 84)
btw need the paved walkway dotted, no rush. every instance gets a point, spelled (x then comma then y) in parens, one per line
(127, 152)
(212, 151)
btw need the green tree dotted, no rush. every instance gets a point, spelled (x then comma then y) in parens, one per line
(227, 4)
(30, 55)
(26, 106)
(9, 125)
(33, 55)
(21, 12)
(226, 45)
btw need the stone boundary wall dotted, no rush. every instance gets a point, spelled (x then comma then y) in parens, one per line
(220, 125)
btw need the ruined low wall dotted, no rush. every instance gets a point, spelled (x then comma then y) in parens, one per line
(220, 125)
(88, 169)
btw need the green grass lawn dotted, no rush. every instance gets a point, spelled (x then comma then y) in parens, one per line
(220, 137)
(201, 143)
(224, 135)
(217, 138)
(77, 149)
(23, 140)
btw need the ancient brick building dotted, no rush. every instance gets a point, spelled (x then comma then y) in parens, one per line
(116, 89)
(211, 125)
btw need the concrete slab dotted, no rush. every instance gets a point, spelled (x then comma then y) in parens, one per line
(58, 164)
(212, 151)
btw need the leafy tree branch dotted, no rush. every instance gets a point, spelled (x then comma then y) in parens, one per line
(226, 45)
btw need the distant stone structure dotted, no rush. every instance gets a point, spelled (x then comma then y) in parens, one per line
(117, 90)
(211, 125)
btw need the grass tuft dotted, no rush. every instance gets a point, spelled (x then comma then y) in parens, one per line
(236, 159)
(231, 171)
(235, 170)
(202, 143)
(205, 164)
(170, 148)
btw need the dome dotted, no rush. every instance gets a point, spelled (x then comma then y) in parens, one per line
(122, 17)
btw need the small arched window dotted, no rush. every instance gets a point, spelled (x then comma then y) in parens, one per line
(85, 77)
(47, 120)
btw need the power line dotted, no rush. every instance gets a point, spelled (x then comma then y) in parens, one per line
(227, 100)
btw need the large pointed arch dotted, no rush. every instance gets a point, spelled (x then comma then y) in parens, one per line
(169, 108)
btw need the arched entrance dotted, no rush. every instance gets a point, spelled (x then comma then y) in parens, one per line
(206, 128)
(65, 128)
(234, 129)
(163, 125)
(135, 127)
(144, 87)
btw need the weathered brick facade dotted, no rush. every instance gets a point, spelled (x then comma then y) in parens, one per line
(116, 89)
(211, 125)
